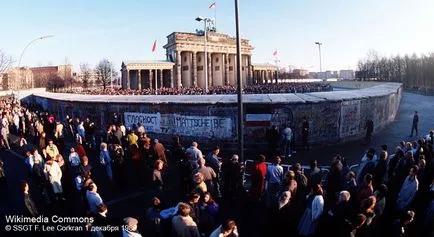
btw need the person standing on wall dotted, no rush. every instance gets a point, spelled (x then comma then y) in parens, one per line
(369, 126)
(286, 141)
(273, 141)
(415, 124)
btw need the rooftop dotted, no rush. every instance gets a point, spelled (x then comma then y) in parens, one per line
(127, 62)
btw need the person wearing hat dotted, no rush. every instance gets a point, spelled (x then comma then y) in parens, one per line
(130, 227)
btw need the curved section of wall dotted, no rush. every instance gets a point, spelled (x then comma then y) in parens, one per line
(333, 116)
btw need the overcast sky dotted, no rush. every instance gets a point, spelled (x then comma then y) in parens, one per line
(86, 31)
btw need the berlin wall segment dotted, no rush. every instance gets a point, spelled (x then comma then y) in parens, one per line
(331, 119)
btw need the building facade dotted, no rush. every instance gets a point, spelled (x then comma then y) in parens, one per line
(185, 63)
(43, 74)
(300, 72)
(17, 79)
(347, 74)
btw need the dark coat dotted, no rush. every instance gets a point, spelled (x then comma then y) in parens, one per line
(30, 206)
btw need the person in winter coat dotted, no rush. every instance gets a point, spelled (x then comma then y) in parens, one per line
(208, 209)
(105, 160)
(408, 190)
(183, 225)
(53, 174)
(227, 229)
(309, 221)
(258, 179)
(160, 151)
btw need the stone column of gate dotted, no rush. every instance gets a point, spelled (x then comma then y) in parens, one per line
(151, 79)
(178, 69)
(139, 80)
(160, 79)
(209, 72)
(276, 75)
(226, 65)
(171, 78)
(267, 75)
(194, 63)
(255, 78)
(128, 79)
(249, 72)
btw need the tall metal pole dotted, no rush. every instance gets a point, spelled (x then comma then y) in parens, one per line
(240, 88)
(320, 60)
(205, 57)
(22, 53)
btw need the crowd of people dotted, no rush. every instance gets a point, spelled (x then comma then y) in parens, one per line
(216, 90)
(390, 194)
(58, 157)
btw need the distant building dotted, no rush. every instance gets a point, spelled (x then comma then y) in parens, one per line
(17, 79)
(313, 75)
(321, 75)
(347, 74)
(43, 74)
(300, 72)
(331, 74)
(79, 76)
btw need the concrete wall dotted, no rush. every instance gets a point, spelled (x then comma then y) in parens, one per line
(333, 116)
(354, 84)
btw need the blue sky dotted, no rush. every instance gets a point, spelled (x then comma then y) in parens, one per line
(87, 31)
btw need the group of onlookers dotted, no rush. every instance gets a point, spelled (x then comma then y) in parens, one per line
(388, 194)
(214, 90)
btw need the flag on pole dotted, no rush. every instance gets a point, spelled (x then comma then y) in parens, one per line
(212, 5)
(154, 47)
(275, 53)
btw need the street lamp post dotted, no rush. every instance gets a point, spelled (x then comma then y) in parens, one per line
(24, 50)
(320, 61)
(240, 88)
(205, 68)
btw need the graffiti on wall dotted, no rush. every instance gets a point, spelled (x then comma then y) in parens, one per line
(151, 122)
(350, 118)
(195, 126)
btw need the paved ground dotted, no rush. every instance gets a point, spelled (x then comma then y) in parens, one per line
(395, 132)
(132, 201)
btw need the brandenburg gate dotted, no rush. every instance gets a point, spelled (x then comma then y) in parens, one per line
(184, 64)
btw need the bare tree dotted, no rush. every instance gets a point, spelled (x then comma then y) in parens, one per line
(104, 72)
(415, 71)
(55, 82)
(86, 73)
(5, 62)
